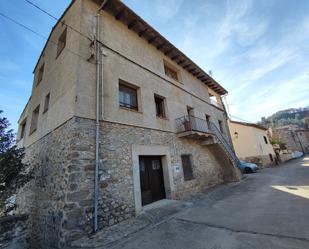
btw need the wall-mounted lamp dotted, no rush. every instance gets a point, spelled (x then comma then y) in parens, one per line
(236, 134)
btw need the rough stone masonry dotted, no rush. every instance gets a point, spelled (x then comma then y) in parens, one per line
(60, 198)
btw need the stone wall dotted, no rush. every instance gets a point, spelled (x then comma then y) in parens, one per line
(60, 198)
(285, 157)
(45, 197)
(288, 137)
(262, 161)
(13, 232)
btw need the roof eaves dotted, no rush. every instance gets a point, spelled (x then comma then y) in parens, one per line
(122, 12)
(249, 124)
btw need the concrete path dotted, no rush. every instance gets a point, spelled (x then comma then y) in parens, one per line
(269, 209)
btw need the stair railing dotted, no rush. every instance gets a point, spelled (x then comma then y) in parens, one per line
(191, 123)
(224, 142)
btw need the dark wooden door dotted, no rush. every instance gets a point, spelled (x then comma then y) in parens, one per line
(151, 177)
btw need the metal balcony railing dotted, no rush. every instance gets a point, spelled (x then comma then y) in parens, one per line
(191, 123)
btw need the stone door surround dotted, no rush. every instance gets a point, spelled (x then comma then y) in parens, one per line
(151, 150)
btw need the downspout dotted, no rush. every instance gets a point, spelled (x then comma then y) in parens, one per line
(97, 132)
(227, 115)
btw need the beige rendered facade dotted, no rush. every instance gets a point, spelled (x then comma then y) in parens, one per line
(154, 114)
(251, 143)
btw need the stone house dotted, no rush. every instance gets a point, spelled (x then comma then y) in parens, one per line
(295, 138)
(118, 118)
(251, 143)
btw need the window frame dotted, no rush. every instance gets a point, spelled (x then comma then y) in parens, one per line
(34, 120)
(40, 74)
(187, 170)
(46, 103)
(162, 106)
(61, 39)
(173, 70)
(23, 125)
(265, 139)
(208, 120)
(129, 89)
(271, 157)
(221, 128)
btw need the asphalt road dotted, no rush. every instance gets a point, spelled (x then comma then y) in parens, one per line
(269, 209)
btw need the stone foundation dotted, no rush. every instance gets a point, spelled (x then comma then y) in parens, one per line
(60, 198)
(13, 232)
(285, 157)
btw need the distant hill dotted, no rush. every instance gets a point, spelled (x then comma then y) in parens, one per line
(297, 116)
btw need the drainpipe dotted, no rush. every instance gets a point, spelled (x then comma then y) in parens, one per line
(227, 115)
(96, 178)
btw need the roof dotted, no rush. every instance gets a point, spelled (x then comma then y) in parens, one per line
(249, 124)
(124, 14)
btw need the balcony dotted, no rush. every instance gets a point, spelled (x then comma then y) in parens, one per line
(193, 127)
(206, 132)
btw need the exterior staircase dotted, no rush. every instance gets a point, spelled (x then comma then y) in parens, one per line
(197, 128)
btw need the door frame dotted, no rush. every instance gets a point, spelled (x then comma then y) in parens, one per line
(159, 186)
(151, 150)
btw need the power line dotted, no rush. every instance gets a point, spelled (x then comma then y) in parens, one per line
(36, 6)
(57, 19)
(22, 25)
(240, 119)
(38, 34)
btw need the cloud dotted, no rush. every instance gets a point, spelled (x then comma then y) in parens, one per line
(261, 70)
(166, 10)
(8, 65)
(238, 25)
(231, 26)
(280, 95)
(274, 61)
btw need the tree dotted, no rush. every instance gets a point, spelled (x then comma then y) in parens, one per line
(281, 144)
(12, 169)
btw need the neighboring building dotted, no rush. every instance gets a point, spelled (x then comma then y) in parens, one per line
(154, 111)
(294, 138)
(251, 143)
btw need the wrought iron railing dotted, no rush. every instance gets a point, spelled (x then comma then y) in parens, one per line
(224, 142)
(191, 123)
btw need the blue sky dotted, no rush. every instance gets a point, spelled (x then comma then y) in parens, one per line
(258, 50)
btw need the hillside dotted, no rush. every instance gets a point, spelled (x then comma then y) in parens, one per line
(297, 116)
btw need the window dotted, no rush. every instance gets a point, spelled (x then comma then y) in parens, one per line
(265, 139)
(170, 72)
(271, 157)
(23, 129)
(127, 96)
(190, 111)
(61, 42)
(40, 74)
(160, 109)
(208, 121)
(34, 119)
(221, 126)
(46, 102)
(187, 167)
